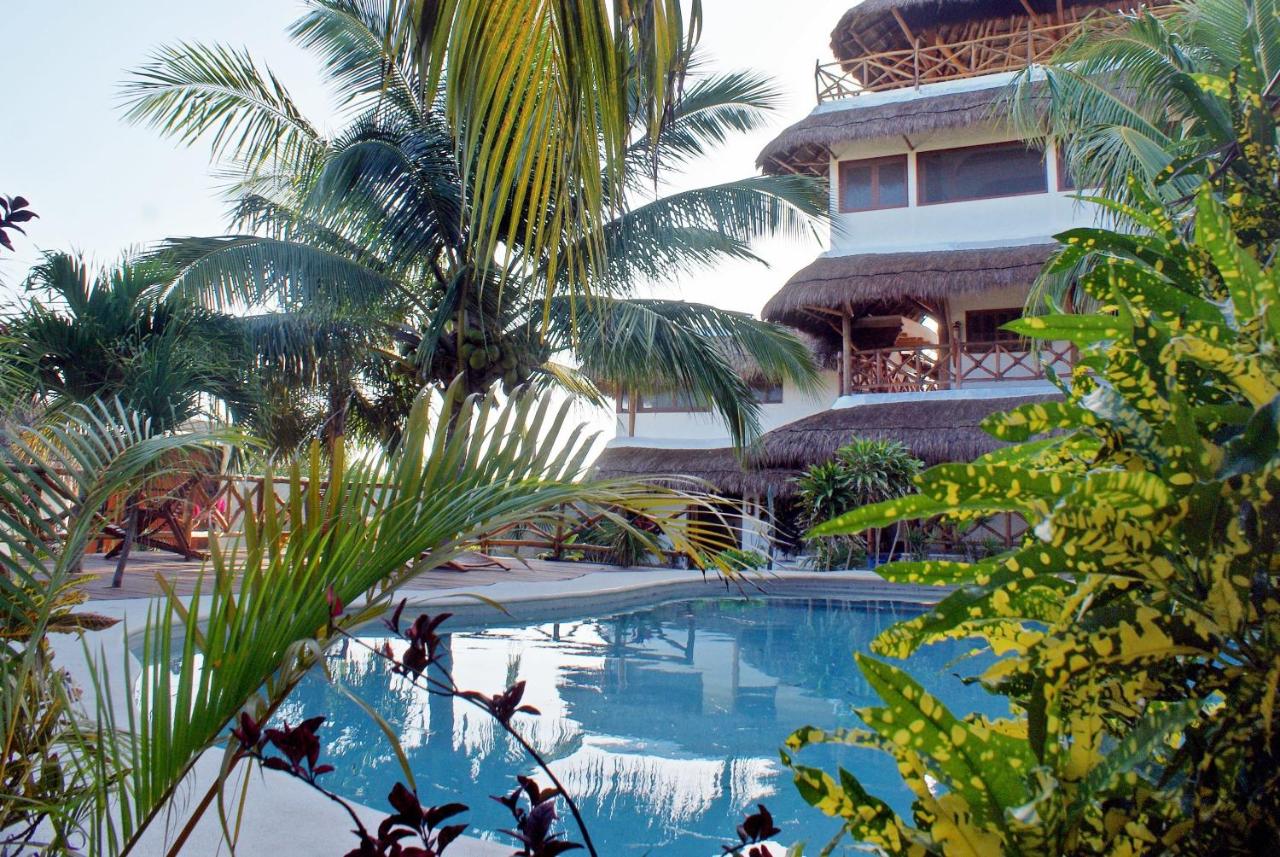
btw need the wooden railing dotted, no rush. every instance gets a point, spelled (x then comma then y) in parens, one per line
(558, 534)
(1005, 46)
(923, 368)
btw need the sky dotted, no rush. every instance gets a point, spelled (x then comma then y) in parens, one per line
(101, 185)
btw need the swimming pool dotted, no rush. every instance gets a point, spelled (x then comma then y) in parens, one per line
(663, 722)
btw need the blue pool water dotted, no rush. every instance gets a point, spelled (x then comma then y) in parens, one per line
(663, 722)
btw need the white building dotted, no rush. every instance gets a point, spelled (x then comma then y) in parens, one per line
(942, 219)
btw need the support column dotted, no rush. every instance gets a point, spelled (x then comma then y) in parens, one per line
(946, 361)
(846, 351)
(957, 354)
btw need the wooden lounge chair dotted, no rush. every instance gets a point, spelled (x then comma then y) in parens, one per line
(160, 515)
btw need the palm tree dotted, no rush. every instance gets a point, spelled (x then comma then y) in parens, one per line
(379, 221)
(1151, 102)
(101, 334)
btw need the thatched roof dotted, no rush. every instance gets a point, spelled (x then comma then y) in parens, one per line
(882, 283)
(934, 429)
(721, 468)
(805, 147)
(871, 27)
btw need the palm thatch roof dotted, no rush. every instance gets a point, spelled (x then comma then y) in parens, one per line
(890, 283)
(805, 147)
(872, 27)
(721, 468)
(935, 430)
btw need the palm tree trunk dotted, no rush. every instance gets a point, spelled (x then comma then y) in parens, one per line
(335, 427)
(133, 519)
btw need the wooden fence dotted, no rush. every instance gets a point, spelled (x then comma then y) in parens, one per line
(222, 515)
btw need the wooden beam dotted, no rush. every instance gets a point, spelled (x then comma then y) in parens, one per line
(926, 307)
(897, 16)
(950, 55)
(824, 310)
(862, 44)
(1031, 13)
(846, 350)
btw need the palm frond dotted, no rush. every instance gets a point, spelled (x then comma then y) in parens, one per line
(1119, 101)
(697, 228)
(540, 98)
(406, 175)
(357, 530)
(368, 52)
(676, 346)
(192, 91)
(572, 381)
(240, 270)
(712, 109)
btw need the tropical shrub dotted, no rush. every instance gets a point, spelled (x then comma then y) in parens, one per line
(14, 210)
(744, 560)
(865, 471)
(1137, 623)
(352, 533)
(630, 543)
(105, 334)
(55, 476)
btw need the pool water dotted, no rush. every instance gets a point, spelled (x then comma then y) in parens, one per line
(664, 723)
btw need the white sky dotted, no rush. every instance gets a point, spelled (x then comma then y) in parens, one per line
(101, 186)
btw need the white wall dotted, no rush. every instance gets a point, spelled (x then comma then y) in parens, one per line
(1009, 296)
(706, 430)
(1026, 219)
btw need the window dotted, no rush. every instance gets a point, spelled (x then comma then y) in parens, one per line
(872, 184)
(981, 172)
(984, 325)
(766, 393)
(671, 400)
(1066, 181)
(663, 402)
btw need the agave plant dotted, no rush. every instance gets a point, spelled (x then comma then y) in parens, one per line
(378, 224)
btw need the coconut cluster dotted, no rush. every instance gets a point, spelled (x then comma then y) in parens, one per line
(488, 357)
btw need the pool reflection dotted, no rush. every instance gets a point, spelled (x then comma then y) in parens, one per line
(664, 723)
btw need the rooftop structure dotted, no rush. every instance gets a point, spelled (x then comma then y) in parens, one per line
(882, 45)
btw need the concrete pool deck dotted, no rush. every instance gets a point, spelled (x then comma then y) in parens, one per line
(282, 817)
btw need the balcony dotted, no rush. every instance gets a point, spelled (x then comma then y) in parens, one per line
(999, 46)
(925, 368)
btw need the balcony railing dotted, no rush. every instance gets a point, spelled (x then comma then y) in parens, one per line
(991, 53)
(925, 368)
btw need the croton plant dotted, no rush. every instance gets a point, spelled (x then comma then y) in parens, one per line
(1136, 628)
